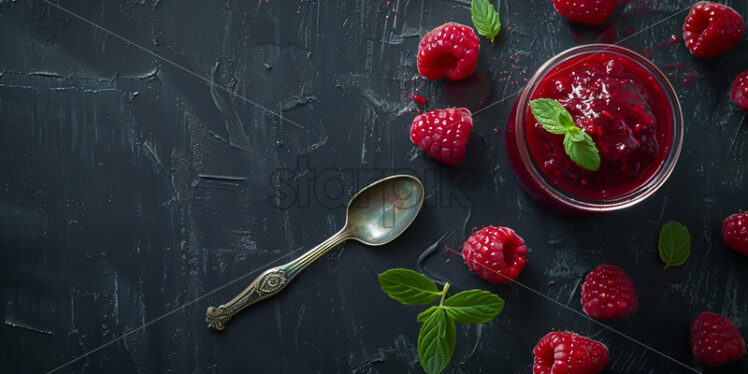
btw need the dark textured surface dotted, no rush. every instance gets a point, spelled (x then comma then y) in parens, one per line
(111, 214)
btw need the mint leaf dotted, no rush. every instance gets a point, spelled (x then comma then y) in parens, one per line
(557, 120)
(577, 135)
(408, 287)
(548, 113)
(436, 342)
(485, 19)
(473, 306)
(581, 149)
(674, 244)
(423, 316)
(566, 121)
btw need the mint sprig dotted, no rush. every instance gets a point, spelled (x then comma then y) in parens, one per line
(557, 120)
(485, 19)
(437, 338)
(674, 244)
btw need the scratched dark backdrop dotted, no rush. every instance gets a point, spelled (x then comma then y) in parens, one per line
(131, 188)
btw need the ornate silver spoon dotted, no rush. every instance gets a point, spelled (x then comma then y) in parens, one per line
(376, 215)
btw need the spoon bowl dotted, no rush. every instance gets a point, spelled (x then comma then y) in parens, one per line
(382, 211)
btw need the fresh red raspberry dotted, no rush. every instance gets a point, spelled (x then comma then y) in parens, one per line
(735, 232)
(739, 91)
(450, 50)
(496, 254)
(443, 133)
(715, 340)
(607, 293)
(587, 12)
(564, 352)
(598, 353)
(711, 29)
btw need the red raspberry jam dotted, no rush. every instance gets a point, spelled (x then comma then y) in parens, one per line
(628, 108)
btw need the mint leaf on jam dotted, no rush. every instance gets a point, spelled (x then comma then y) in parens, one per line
(581, 148)
(438, 337)
(674, 244)
(552, 116)
(485, 19)
(408, 287)
(557, 120)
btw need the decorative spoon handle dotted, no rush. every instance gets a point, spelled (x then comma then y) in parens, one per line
(269, 283)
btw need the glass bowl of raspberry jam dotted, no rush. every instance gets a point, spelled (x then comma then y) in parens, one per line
(630, 110)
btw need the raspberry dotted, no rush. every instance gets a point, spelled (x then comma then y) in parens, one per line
(450, 50)
(711, 29)
(443, 133)
(563, 352)
(598, 353)
(735, 232)
(496, 254)
(715, 340)
(587, 12)
(607, 293)
(739, 91)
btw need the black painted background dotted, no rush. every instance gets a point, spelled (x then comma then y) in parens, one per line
(110, 219)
